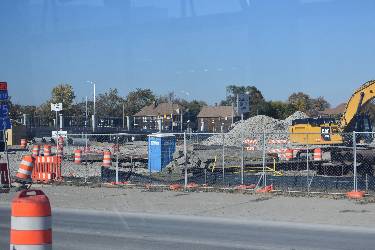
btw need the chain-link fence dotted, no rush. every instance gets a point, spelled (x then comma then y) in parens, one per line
(335, 163)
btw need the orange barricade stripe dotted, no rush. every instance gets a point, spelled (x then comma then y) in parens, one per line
(29, 209)
(37, 237)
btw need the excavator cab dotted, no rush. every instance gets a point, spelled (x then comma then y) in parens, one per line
(362, 125)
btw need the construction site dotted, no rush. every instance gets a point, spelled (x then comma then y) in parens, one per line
(297, 154)
(185, 124)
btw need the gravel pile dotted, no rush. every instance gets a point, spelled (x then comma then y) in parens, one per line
(296, 115)
(253, 129)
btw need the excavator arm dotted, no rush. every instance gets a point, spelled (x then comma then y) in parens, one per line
(360, 97)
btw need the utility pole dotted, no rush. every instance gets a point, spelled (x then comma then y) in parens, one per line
(123, 115)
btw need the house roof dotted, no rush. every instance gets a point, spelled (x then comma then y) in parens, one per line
(335, 111)
(216, 111)
(160, 109)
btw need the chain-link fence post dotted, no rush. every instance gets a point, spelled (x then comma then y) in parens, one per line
(116, 149)
(355, 162)
(223, 159)
(242, 159)
(307, 164)
(185, 162)
(264, 160)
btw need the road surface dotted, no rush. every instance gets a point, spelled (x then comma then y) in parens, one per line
(80, 229)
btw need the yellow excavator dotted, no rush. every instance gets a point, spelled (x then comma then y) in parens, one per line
(329, 131)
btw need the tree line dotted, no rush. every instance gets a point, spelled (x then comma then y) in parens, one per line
(112, 104)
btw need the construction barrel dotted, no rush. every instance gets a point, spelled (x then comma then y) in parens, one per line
(25, 169)
(35, 151)
(107, 159)
(78, 156)
(47, 150)
(31, 226)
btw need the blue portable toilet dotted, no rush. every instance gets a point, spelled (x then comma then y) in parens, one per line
(161, 148)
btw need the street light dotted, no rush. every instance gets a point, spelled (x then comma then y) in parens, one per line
(93, 116)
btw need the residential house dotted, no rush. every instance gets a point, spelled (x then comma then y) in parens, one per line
(216, 119)
(164, 117)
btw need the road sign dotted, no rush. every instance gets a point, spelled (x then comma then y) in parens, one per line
(5, 123)
(4, 111)
(56, 107)
(56, 134)
(4, 95)
(4, 117)
(243, 104)
(3, 86)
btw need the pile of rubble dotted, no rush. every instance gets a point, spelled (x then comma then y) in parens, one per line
(254, 128)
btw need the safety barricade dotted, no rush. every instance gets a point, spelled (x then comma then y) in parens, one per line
(47, 169)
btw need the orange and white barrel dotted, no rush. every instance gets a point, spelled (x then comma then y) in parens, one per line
(60, 146)
(25, 169)
(31, 226)
(107, 159)
(47, 150)
(318, 154)
(35, 150)
(289, 154)
(23, 143)
(77, 156)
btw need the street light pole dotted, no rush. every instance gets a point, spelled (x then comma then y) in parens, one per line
(86, 116)
(93, 116)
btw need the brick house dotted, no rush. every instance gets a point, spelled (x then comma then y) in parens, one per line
(159, 116)
(215, 119)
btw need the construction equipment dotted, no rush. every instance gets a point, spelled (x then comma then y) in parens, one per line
(335, 136)
(328, 131)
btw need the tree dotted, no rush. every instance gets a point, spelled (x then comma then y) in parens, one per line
(256, 99)
(279, 109)
(318, 104)
(110, 104)
(192, 110)
(63, 93)
(138, 99)
(300, 101)
(303, 102)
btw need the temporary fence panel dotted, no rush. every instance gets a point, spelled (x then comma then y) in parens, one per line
(47, 169)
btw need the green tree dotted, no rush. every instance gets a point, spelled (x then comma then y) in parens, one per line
(192, 110)
(318, 104)
(279, 109)
(257, 102)
(110, 104)
(300, 101)
(138, 99)
(311, 106)
(63, 93)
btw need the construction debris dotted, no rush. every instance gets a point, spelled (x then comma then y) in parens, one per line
(253, 129)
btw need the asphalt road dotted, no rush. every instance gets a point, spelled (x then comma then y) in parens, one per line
(79, 229)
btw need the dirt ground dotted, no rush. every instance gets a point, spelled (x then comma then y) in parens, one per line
(269, 207)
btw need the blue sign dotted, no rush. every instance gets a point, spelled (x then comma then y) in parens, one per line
(5, 123)
(4, 95)
(4, 111)
(4, 117)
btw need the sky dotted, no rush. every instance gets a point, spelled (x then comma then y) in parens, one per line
(320, 47)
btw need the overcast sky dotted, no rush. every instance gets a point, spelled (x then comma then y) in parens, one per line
(321, 47)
